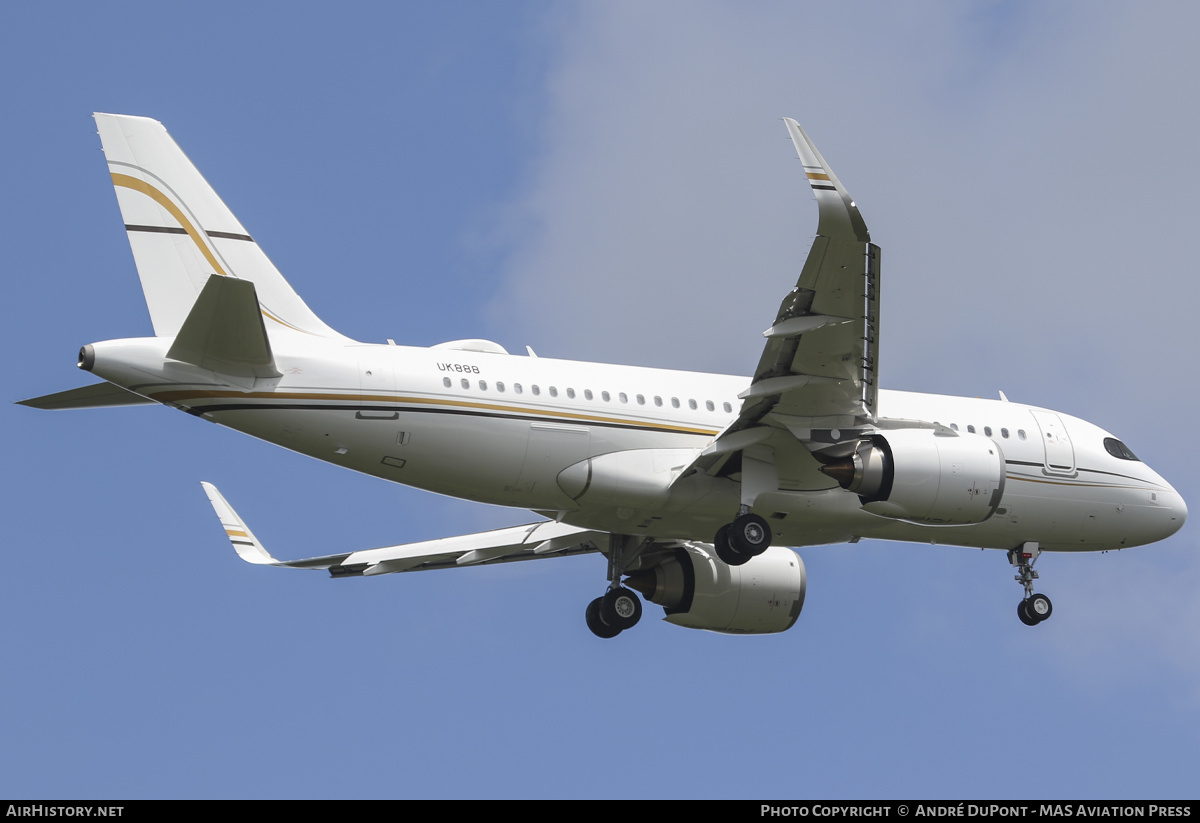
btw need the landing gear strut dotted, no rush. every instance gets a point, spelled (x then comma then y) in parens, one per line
(1034, 608)
(619, 609)
(746, 537)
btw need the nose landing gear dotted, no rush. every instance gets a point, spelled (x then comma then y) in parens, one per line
(1034, 608)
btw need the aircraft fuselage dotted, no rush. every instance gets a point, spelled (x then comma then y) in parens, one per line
(558, 436)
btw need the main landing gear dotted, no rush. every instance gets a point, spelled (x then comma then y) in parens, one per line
(619, 609)
(746, 537)
(1034, 608)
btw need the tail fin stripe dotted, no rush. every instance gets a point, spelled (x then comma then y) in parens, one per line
(157, 196)
(228, 235)
(188, 229)
(156, 229)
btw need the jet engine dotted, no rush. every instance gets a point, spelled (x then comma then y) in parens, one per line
(924, 476)
(698, 591)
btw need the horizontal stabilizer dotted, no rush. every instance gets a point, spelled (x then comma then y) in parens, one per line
(224, 331)
(530, 542)
(96, 396)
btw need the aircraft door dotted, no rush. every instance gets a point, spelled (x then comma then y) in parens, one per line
(1060, 454)
(376, 376)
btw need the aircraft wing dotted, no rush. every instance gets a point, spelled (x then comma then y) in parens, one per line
(818, 371)
(536, 540)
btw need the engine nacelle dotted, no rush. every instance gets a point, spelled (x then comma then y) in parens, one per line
(698, 591)
(925, 476)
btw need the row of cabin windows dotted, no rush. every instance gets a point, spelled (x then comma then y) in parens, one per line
(1111, 444)
(588, 395)
(987, 431)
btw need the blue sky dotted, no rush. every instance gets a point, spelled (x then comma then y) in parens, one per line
(609, 182)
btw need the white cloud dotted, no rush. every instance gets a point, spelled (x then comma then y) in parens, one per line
(1027, 170)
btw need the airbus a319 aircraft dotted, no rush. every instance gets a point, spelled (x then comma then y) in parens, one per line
(691, 485)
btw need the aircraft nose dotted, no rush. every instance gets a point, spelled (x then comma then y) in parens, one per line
(1179, 509)
(1176, 512)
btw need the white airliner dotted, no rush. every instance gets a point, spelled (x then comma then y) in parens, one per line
(690, 484)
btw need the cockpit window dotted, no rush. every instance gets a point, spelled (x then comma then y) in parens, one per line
(1118, 449)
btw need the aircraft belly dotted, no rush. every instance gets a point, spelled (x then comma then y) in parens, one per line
(503, 461)
(428, 451)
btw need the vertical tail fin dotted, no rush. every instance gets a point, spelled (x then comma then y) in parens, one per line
(181, 233)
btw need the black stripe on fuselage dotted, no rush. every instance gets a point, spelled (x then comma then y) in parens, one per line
(1089, 471)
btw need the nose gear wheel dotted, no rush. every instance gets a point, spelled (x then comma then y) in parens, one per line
(1034, 608)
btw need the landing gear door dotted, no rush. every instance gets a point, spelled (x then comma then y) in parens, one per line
(1060, 454)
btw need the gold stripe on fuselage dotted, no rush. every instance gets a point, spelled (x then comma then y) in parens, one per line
(1075, 483)
(179, 396)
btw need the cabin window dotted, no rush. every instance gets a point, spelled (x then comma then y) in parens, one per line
(624, 397)
(728, 408)
(1004, 433)
(554, 391)
(466, 384)
(641, 400)
(692, 405)
(954, 426)
(605, 396)
(657, 400)
(674, 402)
(587, 393)
(971, 429)
(483, 385)
(987, 430)
(534, 388)
(517, 388)
(499, 386)
(446, 382)
(1020, 434)
(571, 393)
(708, 404)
